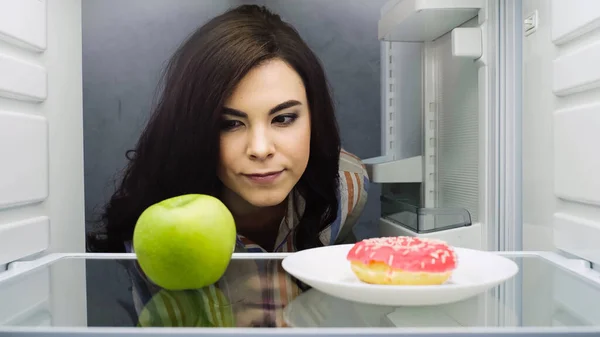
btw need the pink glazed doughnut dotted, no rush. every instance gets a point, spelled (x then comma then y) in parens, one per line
(402, 260)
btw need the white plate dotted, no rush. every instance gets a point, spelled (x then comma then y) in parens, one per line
(326, 269)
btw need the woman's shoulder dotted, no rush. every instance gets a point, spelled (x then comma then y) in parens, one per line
(353, 192)
(351, 163)
(354, 180)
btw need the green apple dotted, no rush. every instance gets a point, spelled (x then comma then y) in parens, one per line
(185, 242)
(206, 308)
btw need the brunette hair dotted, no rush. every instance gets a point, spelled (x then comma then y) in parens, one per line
(178, 151)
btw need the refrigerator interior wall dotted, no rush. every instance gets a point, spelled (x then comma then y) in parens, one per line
(455, 113)
(433, 112)
(561, 120)
(430, 124)
(41, 151)
(403, 99)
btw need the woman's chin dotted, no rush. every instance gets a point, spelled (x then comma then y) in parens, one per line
(265, 199)
(247, 200)
(269, 201)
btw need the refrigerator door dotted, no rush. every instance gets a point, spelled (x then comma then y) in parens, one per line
(561, 184)
(41, 151)
(41, 129)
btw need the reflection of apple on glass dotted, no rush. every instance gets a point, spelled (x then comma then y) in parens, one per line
(185, 242)
(206, 308)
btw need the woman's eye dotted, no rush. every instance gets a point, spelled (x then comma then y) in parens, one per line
(285, 119)
(230, 124)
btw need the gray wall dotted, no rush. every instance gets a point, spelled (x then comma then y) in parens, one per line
(125, 45)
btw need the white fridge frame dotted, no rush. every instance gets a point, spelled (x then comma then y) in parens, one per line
(502, 201)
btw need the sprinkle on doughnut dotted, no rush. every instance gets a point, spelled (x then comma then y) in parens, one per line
(406, 253)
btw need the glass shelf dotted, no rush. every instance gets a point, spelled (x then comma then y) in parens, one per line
(85, 293)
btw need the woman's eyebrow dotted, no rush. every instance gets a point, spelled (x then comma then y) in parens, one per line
(275, 109)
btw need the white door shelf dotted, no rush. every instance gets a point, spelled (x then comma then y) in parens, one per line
(425, 20)
(384, 170)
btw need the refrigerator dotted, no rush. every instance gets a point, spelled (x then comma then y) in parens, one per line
(490, 114)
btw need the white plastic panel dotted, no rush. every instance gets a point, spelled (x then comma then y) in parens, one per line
(577, 165)
(578, 234)
(424, 20)
(429, 189)
(24, 153)
(577, 70)
(579, 306)
(539, 201)
(23, 22)
(22, 79)
(29, 298)
(467, 42)
(388, 116)
(37, 230)
(407, 98)
(561, 124)
(41, 130)
(573, 18)
(457, 134)
(384, 170)
(576, 122)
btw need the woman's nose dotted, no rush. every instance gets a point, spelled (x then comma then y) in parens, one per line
(260, 145)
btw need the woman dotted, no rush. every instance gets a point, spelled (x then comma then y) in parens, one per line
(246, 115)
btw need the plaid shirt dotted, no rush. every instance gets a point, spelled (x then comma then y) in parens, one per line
(253, 292)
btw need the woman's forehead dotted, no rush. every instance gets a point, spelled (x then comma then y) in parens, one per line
(266, 86)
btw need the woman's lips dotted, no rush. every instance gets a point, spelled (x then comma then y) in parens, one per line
(264, 178)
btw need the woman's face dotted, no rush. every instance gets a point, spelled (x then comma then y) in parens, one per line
(265, 135)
